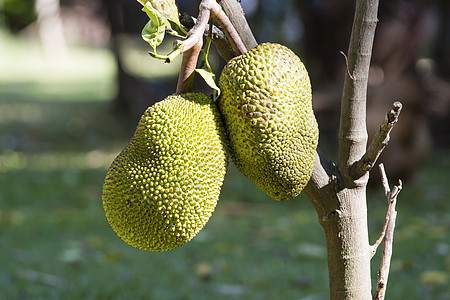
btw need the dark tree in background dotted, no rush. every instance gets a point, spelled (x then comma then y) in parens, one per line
(124, 18)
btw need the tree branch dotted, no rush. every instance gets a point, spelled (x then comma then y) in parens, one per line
(391, 197)
(386, 255)
(219, 38)
(341, 203)
(352, 129)
(374, 247)
(212, 8)
(224, 22)
(346, 63)
(378, 144)
(234, 11)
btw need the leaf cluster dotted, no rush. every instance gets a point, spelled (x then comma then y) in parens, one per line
(164, 18)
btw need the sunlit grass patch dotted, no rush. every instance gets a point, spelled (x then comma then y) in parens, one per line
(51, 161)
(28, 72)
(23, 60)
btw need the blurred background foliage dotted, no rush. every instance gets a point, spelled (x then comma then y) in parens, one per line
(74, 78)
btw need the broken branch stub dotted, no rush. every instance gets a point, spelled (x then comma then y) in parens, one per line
(379, 142)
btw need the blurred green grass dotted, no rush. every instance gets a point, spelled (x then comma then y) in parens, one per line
(57, 138)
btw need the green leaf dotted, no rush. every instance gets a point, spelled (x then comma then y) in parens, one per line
(178, 28)
(210, 79)
(169, 10)
(206, 72)
(154, 30)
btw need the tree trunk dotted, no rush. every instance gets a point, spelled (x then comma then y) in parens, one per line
(342, 213)
(51, 29)
(348, 250)
(339, 193)
(348, 247)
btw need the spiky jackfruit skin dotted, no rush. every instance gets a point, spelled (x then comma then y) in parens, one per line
(267, 109)
(163, 187)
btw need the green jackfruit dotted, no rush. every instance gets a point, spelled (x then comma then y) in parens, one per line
(162, 188)
(267, 110)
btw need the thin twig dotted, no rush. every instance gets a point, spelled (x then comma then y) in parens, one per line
(384, 180)
(388, 234)
(378, 144)
(175, 34)
(346, 63)
(374, 247)
(387, 193)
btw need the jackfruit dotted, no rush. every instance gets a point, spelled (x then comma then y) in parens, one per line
(162, 188)
(266, 104)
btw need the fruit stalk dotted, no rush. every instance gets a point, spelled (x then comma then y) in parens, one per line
(188, 65)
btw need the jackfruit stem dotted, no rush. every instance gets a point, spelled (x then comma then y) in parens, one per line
(188, 65)
(191, 48)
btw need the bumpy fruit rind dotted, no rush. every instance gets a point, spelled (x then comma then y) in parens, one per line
(163, 187)
(267, 110)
